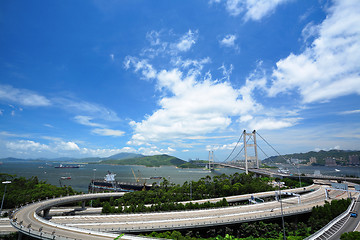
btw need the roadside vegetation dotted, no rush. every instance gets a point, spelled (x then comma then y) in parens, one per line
(25, 190)
(296, 228)
(167, 196)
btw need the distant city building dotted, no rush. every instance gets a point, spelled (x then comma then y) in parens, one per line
(312, 160)
(354, 160)
(294, 160)
(329, 161)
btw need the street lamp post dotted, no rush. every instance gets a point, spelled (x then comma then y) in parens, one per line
(282, 214)
(2, 202)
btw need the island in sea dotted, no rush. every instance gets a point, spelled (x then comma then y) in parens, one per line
(153, 161)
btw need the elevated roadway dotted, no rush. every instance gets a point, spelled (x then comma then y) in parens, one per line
(265, 172)
(351, 224)
(28, 221)
(133, 223)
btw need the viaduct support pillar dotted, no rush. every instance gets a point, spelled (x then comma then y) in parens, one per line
(46, 212)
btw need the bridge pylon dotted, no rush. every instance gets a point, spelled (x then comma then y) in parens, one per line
(211, 161)
(253, 161)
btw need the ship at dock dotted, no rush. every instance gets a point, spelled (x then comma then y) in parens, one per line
(110, 184)
(67, 166)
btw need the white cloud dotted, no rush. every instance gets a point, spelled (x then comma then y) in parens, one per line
(226, 72)
(100, 129)
(140, 65)
(80, 107)
(251, 9)
(67, 146)
(108, 132)
(112, 56)
(86, 120)
(228, 41)
(22, 96)
(194, 108)
(222, 147)
(154, 37)
(310, 31)
(154, 150)
(329, 68)
(173, 45)
(351, 112)
(271, 123)
(193, 105)
(194, 66)
(26, 145)
(186, 41)
(57, 147)
(7, 134)
(337, 147)
(257, 9)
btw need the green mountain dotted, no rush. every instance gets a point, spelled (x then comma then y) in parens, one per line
(149, 161)
(124, 155)
(341, 155)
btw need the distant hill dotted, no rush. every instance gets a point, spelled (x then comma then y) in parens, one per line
(11, 159)
(149, 161)
(320, 156)
(124, 155)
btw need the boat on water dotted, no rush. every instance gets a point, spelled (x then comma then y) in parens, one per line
(67, 166)
(156, 177)
(65, 178)
(110, 184)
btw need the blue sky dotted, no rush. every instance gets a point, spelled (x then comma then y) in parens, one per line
(95, 78)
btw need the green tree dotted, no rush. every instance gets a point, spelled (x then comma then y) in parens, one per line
(350, 236)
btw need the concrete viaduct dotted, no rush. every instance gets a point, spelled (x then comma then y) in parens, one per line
(32, 219)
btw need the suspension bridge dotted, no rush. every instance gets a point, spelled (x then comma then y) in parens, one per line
(251, 163)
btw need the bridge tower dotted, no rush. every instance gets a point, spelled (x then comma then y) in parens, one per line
(211, 160)
(253, 160)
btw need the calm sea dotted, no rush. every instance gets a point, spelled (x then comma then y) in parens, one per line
(81, 177)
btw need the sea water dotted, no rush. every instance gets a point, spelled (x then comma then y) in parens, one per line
(82, 176)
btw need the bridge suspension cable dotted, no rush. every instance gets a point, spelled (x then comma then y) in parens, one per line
(240, 150)
(279, 155)
(238, 153)
(271, 146)
(234, 148)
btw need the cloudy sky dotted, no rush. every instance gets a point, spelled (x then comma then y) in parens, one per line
(95, 78)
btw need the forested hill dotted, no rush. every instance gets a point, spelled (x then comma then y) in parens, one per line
(149, 161)
(320, 156)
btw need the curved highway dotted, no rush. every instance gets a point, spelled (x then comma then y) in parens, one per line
(27, 219)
